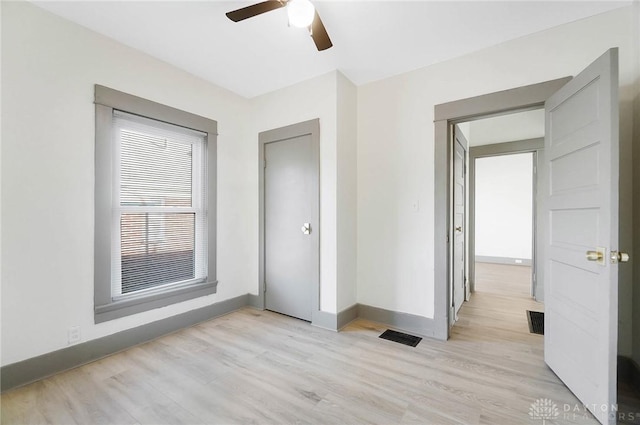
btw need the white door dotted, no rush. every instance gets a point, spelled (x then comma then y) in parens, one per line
(581, 208)
(459, 207)
(289, 246)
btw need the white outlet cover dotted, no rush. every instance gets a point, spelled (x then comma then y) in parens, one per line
(73, 334)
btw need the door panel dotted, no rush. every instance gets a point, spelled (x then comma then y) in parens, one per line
(581, 296)
(289, 252)
(459, 222)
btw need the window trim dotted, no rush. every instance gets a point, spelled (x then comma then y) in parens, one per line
(106, 100)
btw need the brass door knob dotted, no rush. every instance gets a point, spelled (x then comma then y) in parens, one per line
(598, 255)
(594, 255)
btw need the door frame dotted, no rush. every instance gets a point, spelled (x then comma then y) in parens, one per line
(536, 147)
(446, 115)
(306, 128)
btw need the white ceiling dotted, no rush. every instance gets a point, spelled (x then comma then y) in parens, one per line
(372, 39)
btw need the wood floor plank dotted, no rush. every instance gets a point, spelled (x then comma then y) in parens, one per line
(20, 406)
(145, 403)
(87, 401)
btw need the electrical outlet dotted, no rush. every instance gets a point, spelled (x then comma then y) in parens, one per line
(73, 335)
(518, 261)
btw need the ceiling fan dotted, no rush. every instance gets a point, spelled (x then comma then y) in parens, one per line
(301, 14)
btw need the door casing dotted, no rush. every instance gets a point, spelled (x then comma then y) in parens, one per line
(447, 115)
(311, 128)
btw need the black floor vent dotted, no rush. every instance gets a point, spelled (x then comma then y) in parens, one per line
(536, 322)
(400, 337)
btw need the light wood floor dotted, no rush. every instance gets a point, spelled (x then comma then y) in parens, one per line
(254, 367)
(504, 280)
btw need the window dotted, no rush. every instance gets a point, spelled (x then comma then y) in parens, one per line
(159, 195)
(155, 205)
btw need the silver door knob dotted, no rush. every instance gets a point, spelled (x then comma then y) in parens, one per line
(306, 228)
(619, 257)
(459, 229)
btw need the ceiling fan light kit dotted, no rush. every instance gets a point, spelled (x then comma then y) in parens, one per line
(301, 13)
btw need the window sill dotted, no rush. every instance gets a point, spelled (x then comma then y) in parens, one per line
(127, 307)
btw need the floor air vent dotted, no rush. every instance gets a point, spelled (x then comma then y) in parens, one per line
(536, 322)
(400, 337)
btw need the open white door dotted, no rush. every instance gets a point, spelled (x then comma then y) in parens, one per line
(581, 207)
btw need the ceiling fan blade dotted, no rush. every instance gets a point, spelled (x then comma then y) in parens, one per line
(254, 10)
(319, 34)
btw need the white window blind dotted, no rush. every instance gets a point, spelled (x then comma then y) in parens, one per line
(159, 199)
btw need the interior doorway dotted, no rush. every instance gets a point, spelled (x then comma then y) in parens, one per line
(504, 217)
(501, 252)
(446, 116)
(504, 157)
